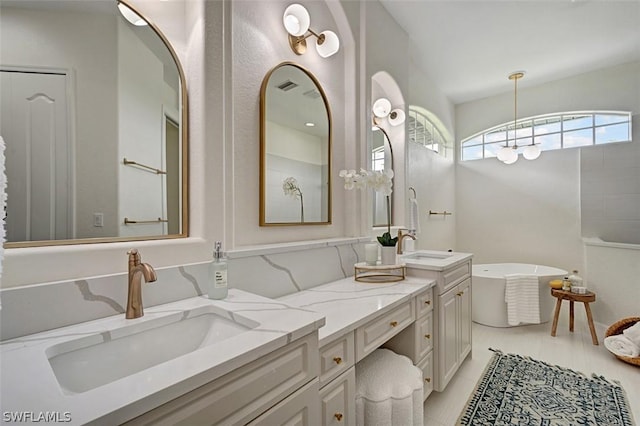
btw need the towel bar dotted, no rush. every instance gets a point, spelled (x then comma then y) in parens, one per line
(128, 221)
(444, 213)
(149, 168)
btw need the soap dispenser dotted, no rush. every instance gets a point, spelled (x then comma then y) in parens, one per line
(218, 274)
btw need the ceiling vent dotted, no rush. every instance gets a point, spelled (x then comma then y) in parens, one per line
(313, 94)
(287, 85)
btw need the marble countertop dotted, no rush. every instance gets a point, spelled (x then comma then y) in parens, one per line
(440, 261)
(347, 304)
(29, 385)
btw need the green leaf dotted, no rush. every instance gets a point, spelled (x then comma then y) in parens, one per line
(386, 240)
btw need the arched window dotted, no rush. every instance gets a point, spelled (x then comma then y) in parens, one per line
(423, 130)
(551, 131)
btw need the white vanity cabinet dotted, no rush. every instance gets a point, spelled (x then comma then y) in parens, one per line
(279, 388)
(416, 341)
(454, 330)
(451, 317)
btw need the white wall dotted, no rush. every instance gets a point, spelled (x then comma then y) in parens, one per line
(530, 211)
(432, 175)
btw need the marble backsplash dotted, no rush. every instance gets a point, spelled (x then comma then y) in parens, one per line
(271, 271)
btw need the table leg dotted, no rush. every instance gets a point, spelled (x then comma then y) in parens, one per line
(594, 337)
(555, 317)
(571, 316)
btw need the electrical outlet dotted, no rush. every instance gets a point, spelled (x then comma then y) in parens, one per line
(98, 220)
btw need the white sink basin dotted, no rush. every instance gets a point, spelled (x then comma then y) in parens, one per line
(88, 362)
(428, 255)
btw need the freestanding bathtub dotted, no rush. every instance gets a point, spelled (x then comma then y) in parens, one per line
(489, 282)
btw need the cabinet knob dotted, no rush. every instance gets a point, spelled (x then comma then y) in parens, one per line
(460, 293)
(338, 416)
(337, 360)
(427, 336)
(427, 302)
(394, 323)
(427, 379)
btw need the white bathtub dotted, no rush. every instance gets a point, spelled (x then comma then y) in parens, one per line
(489, 307)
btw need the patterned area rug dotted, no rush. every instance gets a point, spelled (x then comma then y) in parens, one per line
(517, 390)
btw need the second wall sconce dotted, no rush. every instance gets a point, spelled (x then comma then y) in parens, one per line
(382, 108)
(296, 21)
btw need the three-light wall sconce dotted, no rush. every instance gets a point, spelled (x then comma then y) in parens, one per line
(296, 21)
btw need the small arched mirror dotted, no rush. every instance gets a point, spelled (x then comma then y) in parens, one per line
(104, 157)
(295, 149)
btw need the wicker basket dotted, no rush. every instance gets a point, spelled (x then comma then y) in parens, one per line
(617, 328)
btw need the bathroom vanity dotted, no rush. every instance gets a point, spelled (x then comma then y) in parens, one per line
(452, 310)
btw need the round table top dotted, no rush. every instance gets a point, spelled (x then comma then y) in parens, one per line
(589, 296)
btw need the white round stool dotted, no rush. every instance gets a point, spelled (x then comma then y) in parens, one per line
(388, 390)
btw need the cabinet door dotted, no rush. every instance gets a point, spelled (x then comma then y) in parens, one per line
(448, 337)
(338, 400)
(426, 365)
(463, 294)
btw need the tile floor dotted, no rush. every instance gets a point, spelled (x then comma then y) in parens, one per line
(572, 350)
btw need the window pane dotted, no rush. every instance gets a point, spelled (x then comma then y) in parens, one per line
(495, 136)
(472, 152)
(548, 142)
(611, 119)
(572, 122)
(491, 150)
(524, 141)
(577, 138)
(547, 125)
(613, 133)
(475, 141)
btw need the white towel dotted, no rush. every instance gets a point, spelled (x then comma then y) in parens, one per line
(522, 295)
(3, 205)
(620, 345)
(633, 333)
(414, 216)
(389, 390)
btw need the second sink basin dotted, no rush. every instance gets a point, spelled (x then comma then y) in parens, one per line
(428, 255)
(91, 361)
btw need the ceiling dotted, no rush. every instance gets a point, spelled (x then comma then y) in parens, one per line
(468, 48)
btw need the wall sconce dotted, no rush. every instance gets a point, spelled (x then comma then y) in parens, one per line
(131, 16)
(382, 109)
(509, 154)
(296, 21)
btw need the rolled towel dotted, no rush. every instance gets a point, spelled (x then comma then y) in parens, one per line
(622, 346)
(633, 333)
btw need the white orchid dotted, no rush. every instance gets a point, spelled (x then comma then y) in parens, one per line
(291, 188)
(378, 180)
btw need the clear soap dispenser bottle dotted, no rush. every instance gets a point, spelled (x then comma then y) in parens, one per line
(218, 274)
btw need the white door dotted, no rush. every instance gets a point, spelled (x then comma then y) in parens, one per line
(33, 123)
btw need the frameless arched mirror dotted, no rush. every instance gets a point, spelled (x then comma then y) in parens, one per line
(94, 117)
(295, 149)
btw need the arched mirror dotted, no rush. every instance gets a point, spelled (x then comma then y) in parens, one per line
(295, 149)
(94, 118)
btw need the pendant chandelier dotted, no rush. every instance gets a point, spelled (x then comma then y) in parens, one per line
(509, 154)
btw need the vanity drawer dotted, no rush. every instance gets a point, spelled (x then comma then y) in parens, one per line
(245, 393)
(414, 341)
(300, 409)
(373, 334)
(338, 400)
(424, 303)
(455, 276)
(336, 357)
(426, 365)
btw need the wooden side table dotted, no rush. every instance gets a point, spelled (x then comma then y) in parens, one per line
(586, 298)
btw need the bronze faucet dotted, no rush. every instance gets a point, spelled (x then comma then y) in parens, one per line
(137, 271)
(401, 237)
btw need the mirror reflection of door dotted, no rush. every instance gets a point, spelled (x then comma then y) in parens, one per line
(295, 149)
(173, 190)
(379, 156)
(34, 125)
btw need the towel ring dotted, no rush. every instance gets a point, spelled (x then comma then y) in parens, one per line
(414, 192)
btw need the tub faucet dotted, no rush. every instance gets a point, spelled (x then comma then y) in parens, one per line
(402, 236)
(137, 271)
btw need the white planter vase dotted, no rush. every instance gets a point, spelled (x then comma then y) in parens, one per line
(388, 255)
